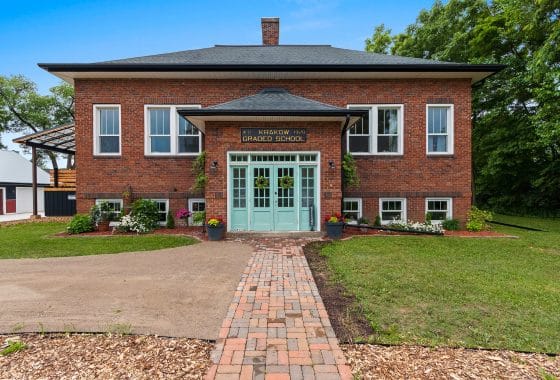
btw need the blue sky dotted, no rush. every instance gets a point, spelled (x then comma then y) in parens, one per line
(89, 31)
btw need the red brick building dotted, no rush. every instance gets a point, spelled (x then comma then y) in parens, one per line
(275, 121)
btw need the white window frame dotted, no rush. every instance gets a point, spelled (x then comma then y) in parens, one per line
(449, 208)
(373, 129)
(98, 201)
(191, 201)
(403, 211)
(173, 129)
(358, 200)
(162, 223)
(450, 129)
(97, 129)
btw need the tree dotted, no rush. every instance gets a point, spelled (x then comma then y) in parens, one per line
(516, 113)
(24, 110)
(381, 40)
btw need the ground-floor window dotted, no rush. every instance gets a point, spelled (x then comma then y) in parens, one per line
(392, 210)
(439, 208)
(163, 208)
(196, 205)
(116, 206)
(352, 209)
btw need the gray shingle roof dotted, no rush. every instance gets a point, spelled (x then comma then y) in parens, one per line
(274, 99)
(274, 55)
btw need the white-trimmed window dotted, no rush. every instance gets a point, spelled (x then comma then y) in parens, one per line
(352, 209)
(163, 208)
(439, 129)
(107, 129)
(196, 205)
(392, 210)
(168, 133)
(380, 132)
(116, 206)
(439, 208)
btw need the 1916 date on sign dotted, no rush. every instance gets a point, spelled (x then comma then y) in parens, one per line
(273, 135)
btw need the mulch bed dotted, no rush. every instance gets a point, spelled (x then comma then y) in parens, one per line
(370, 361)
(81, 356)
(412, 362)
(354, 231)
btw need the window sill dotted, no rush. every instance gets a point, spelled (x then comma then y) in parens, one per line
(444, 155)
(112, 156)
(194, 155)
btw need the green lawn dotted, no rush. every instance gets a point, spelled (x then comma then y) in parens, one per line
(491, 293)
(36, 240)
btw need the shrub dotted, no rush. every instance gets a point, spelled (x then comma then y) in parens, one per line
(146, 213)
(416, 227)
(377, 221)
(131, 223)
(199, 217)
(428, 218)
(170, 222)
(476, 219)
(450, 224)
(350, 176)
(363, 220)
(80, 223)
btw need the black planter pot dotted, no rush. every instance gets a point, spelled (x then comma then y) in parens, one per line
(215, 233)
(334, 230)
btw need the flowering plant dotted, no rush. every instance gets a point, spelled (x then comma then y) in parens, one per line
(416, 226)
(333, 218)
(132, 223)
(183, 213)
(215, 222)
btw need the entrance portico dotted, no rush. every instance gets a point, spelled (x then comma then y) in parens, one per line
(273, 160)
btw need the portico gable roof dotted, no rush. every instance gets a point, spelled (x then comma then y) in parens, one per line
(272, 104)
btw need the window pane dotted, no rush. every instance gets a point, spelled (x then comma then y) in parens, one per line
(188, 144)
(438, 215)
(437, 143)
(437, 119)
(159, 122)
(109, 144)
(387, 121)
(361, 127)
(186, 128)
(390, 215)
(387, 143)
(109, 121)
(359, 143)
(161, 144)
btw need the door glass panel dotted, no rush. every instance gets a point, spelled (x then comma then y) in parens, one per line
(285, 192)
(239, 188)
(261, 187)
(307, 187)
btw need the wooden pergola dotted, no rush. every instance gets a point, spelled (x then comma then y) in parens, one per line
(59, 139)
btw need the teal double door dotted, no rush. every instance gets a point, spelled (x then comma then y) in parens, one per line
(272, 197)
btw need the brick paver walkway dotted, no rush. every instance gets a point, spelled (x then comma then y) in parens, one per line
(277, 326)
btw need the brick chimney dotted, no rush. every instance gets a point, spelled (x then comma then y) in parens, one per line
(270, 30)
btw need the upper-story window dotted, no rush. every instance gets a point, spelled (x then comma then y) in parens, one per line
(439, 129)
(380, 132)
(107, 129)
(167, 133)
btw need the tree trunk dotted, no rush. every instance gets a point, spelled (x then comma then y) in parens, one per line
(69, 161)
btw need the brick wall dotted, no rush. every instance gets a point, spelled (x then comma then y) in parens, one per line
(414, 175)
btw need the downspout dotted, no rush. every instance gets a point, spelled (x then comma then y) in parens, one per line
(342, 153)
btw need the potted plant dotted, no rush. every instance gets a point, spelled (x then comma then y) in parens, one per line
(183, 215)
(102, 215)
(216, 228)
(335, 224)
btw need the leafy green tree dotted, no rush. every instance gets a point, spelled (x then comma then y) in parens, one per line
(24, 110)
(516, 113)
(381, 40)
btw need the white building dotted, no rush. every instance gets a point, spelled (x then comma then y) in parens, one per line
(16, 195)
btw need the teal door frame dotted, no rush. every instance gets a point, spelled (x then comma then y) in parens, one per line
(273, 207)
